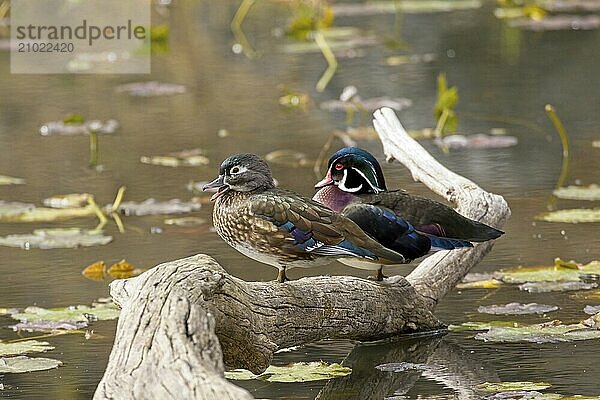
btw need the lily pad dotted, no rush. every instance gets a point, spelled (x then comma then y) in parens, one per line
(552, 332)
(153, 207)
(58, 238)
(21, 364)
(123, 270)
(571, 216)
(557, 23)
(372, 104)
(150, 89)
(80, 313)
(482, 326)
(71, 200)
(407, 6)
(510, 386)
(24, 347)
(84, 128)
(297, 372)
(591, 310)
(478, 141)
(591, 192)
(26, 212)
(9, 180)
(489, 283)
(96, 271)
(545, 287)
(289, 158)
(185, 221)
(560, 271)
(184, 158)
(517, 309)
(49, 326)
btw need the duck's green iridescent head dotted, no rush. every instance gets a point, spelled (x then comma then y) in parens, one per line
(354, 170)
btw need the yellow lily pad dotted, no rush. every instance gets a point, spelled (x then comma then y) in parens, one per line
(25, 212)
(591, 192)
(491, 283)
(571, 216)
(560, 271)
(95, 271)
(123, 270)
(296, 372)
(9, 180)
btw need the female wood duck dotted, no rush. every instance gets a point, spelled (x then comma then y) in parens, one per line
(283, 229)
(355, 176)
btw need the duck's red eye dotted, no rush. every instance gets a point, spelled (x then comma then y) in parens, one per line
(339, 167)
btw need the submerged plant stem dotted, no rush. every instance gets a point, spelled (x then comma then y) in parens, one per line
(331, 61)
(236, 27)
(93, 149)
(566, 153)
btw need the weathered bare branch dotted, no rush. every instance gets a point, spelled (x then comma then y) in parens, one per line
(183, 320)
(438, 274)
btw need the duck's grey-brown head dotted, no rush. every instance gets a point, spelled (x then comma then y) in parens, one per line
(242, 173)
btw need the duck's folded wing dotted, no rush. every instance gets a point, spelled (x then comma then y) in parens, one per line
(314, 229)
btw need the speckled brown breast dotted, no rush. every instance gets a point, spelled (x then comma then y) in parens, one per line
(253, 236)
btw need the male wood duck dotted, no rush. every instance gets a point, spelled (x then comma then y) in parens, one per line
(355, 176)
(283, 229)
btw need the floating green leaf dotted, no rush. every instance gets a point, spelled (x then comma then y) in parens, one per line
(80, 313)
(24, 347)
(21, 364)
(9, 180)
(297, 372)
(443, 111)
(552, 332)
(571, 216)
(58, 238)
(509, 386)
(560, 271)
(591, 192)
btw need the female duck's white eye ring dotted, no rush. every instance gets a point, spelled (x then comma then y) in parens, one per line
(237, 170)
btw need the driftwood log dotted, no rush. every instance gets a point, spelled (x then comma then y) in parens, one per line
(182, 321)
